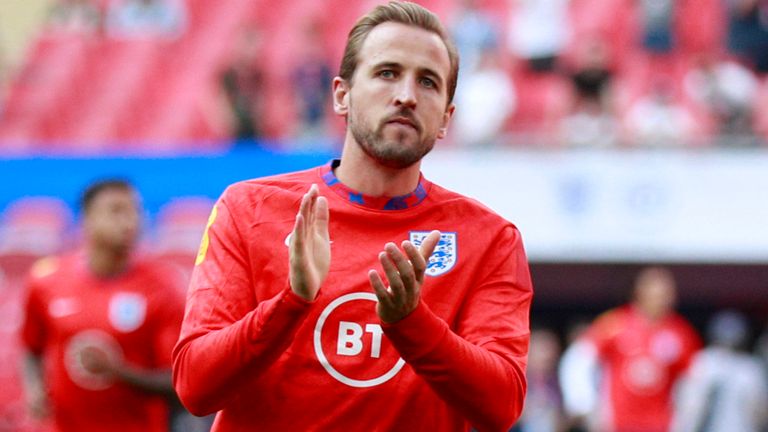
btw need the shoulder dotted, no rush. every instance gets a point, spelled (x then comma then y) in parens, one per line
(467, 208)
(249, 194)
(51, 268)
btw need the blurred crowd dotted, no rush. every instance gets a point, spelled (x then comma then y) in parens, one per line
(582, 73)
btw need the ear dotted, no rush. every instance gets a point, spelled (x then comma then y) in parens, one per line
(447, 115)
(340, 96)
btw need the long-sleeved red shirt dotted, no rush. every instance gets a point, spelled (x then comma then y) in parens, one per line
(267, 360)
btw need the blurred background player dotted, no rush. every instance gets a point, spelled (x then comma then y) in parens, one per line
(640, 350)
(100, 325)
(725, 387)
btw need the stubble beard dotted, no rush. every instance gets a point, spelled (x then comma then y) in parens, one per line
(394, 153)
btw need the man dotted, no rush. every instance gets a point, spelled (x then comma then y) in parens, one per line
(642, 349)
(100, 325)
(725, 387)
(279, 336)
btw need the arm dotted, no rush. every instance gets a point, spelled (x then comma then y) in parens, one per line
(227, 339)
(34, 387)
(479, 369)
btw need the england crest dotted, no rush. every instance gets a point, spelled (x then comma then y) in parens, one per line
(445, 254)
(127, 311)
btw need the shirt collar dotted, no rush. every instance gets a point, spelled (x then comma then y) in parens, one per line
(378, 203)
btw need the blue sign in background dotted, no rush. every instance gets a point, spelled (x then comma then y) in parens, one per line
(158, 179)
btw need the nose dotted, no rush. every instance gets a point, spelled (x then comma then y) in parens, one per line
(406, 94)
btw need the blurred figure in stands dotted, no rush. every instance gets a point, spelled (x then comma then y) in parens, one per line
(243, 85)
(727, 90)
(591, 122)
(543, 410)
(100, 324)
(489, 97)
(146, 18)
(657, 119)
(538, 32)
(310, 78)
(75, 16)
(725, 388)
(474, 31)
(656, 19)
(640, 350)
(748, 32)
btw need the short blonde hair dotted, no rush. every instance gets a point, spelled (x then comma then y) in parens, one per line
(400, 12)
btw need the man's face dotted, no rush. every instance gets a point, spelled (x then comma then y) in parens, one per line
(397, 102)
(112, 220)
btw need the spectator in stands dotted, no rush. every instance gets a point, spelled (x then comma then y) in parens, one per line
(748, 31)
(591, 121)
(725, 388)
(543, 410)
(100, 324)
(146, 18)
(75, 16)
(727, 90)
(656, 18)
(487, 96)
(243, 85)
(310, 78)
(474, 31)
(538, 32)
(657, 119)
(640, 350)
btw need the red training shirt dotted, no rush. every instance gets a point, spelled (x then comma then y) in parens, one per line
(267, 360)
(134, 316)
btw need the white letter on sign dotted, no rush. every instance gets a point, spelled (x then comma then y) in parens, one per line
(349, 343)
(376, 332)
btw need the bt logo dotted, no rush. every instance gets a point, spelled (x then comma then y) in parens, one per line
(352, 351)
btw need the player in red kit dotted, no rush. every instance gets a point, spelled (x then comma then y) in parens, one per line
(642, 348)
(387, 302)
(100, 325)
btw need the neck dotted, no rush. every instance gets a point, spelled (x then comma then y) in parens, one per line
(360, 172)
(106, 262)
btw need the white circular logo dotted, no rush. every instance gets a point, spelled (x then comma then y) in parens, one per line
(352, 382)
(98, 342)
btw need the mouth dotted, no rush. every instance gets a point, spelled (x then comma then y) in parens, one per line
(404, 121)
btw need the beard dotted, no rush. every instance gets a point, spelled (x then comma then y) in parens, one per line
(394, 152)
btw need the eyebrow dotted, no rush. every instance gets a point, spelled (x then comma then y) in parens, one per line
(424, 71)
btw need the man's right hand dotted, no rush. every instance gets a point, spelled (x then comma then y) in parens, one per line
(310, 246)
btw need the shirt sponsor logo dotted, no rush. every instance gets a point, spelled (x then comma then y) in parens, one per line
(444, 258)
(94, 343)
(127, 311)
(351, 346)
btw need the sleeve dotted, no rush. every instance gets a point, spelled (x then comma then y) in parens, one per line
(33, 329)
(578, 373)
(479, 369)
(227, 337)
(169, 313)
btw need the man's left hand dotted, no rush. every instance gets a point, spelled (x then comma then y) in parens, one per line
(405, 273)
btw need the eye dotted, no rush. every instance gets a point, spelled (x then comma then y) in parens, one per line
(428, 82)
(387, 73)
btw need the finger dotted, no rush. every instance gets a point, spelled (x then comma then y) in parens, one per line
(418, 262)
(393, 277)
(384, 296)
(403, 265)
(297, 237)
(312, 199)
(322, 217)
(429, 244)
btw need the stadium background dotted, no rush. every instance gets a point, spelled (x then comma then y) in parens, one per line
(224, 90)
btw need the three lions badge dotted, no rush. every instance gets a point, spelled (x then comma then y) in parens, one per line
(444, 256)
